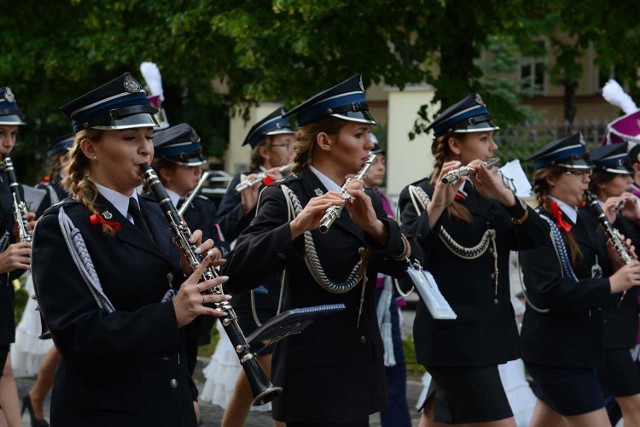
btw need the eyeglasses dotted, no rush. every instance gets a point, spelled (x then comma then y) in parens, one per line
(578, 172)
(287, 145)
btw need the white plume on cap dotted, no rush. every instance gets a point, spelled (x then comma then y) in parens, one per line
(151, 75)
(615, 95)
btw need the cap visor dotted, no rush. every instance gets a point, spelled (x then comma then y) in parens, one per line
(281, 132)
(478, 127)
(575, 164)
(11, 119)
(356, 116)
(130, 122)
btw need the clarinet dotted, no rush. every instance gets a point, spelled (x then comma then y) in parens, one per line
(613, 235)
(19, 206)
(333, 212)
(194, 193)
(244, 185)
(456, 174)
(262, 388)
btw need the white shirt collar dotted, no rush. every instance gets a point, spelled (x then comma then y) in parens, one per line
(175, 197)
(325, 180)
(570, 211)
(118, 200)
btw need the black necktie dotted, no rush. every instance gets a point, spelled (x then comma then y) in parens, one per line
(180, 203)
(138, 219)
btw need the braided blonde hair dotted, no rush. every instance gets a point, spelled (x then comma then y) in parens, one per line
(541, 189)
(80, 186)
(440, 149)
(306, 139)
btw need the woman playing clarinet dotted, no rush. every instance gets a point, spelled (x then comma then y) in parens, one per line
(108, 280)
(568, 281)
(465, 232)
(333, 373)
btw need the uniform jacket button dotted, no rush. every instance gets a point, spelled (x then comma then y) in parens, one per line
(173, 383)
(363, 339)
(281, 255)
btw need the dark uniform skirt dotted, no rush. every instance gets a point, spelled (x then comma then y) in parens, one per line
(568, 391)
(619, 377)
(468, 395)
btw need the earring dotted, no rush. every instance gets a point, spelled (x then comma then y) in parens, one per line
(95, 157)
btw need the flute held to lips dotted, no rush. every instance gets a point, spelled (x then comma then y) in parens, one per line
(262, 389)
(244, 185)
(456, 174)
(333, 212)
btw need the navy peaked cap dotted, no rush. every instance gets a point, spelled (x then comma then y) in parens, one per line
(180, 144)
(9, 111)
(611, 158)
(469, 115)
(119, 104)
(273, 124)
(345, 101)
(568, 152)
(61, 144)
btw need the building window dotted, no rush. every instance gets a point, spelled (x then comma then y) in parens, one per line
(533, 71)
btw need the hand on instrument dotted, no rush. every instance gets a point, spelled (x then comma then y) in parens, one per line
(361, 211)
(274, 173)
(201, 248)
(490, 185)
(444, 194)
(626, 277)
(17, 256)
(310, 216)
(616, 261)
(249, 196)
(627, 204)
(30, 218)
(190, 300)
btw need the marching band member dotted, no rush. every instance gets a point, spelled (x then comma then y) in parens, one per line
(610, 183)
(466, 232)
(178, 162)
(568, 280)
(108, 279)
(332, 374)
(14, 258)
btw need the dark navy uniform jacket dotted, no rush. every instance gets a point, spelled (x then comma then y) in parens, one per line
(621, 317)
(7, 297)
(571, 334)
(333, 372)
(124, 368)
(484, 333)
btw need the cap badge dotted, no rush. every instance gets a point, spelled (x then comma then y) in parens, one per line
(361, 84)
(107, 215)
(131, 85)
(8, 95)
(479, 100)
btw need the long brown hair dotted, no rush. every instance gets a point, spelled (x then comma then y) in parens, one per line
(541, 188)
(306, 139)
(598, 178)
(80, 186)
(440, 150)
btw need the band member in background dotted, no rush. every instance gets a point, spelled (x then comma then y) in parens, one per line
(610, 183)
(333, 373)
(109, 282)
(568, 280)
(15, 258)
(271, 140)
(178, 162)
(33, 345)
(465, 233)
(388, 302)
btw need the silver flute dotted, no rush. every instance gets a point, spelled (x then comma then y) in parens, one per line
(333, 212)
(244, 185)
(194, 193)
(19, 206)
(456, 174)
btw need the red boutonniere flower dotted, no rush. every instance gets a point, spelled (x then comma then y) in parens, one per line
(557, 215)
(96, 219)
(459, 196)
(268, 180)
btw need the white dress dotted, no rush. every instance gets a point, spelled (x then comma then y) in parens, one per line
(221, 374)
(28, 350)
